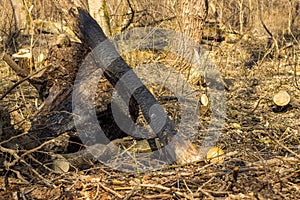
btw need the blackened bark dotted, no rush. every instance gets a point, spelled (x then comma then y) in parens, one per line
(91, 33)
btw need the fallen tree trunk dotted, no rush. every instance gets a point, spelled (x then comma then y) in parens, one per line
(91, 33)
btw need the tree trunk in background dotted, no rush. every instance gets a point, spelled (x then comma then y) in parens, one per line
(98, 10)
(192, 17)
(19, 13)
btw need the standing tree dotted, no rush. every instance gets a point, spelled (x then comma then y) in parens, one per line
(192, 17)
(19, 12)
(98, 10)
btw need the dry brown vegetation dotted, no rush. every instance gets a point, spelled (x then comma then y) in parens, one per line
(255, 46)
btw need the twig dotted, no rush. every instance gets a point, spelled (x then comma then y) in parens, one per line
(182, 194)
(205, 193)
(218, 192)
(255, 107)
(13, 137)
(19, 158)
(47, 182)
(229, 154)
(22, 73)
(132, 13)
(131, 193)
(11, 152)
(97, 192)
(111, 191)
(264, 25)
(207, 182)
(158, 196)
(187, 187)
(19, 176)
(261, 19)
(159, 187)
(283, 146)
(38, 162)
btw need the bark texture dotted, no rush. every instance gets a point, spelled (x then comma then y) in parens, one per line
(192, 17)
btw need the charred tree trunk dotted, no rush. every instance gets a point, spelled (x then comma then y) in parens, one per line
(92, 35)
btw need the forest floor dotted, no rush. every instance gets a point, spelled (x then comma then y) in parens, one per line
(261, 141)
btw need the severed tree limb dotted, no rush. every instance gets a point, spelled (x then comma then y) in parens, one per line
(20, 72)
(25, 75)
